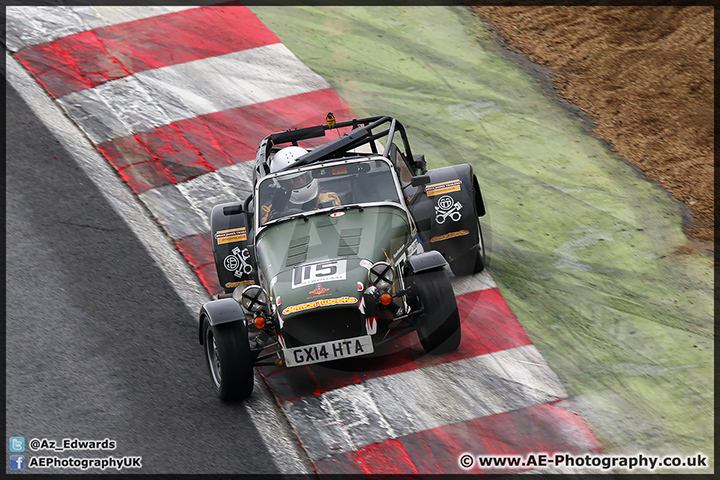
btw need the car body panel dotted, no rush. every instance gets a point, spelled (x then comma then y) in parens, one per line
(445, 211)
(297, 255)
(220, 311)
(231, 235)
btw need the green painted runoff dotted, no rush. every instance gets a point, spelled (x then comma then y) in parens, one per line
(583, 247)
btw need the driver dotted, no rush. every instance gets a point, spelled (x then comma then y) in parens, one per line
(302, 186)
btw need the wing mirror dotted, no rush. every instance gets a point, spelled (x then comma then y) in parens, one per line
(420, 180)
(249, 205)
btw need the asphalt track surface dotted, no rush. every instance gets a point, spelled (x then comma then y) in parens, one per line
(98, 343)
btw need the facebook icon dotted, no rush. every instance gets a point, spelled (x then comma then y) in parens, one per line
(17, 462)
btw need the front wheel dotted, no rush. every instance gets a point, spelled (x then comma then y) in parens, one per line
(227, 353)
(439, 325)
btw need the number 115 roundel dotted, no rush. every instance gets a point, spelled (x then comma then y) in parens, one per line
(312, 273)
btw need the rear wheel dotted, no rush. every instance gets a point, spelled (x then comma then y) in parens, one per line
(439, 325)
(227, 353)
(473, 261)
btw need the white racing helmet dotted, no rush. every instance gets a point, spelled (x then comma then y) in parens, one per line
(302, 185)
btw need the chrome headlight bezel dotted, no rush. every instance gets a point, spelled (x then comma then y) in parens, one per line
(381, 275)
(253, 298)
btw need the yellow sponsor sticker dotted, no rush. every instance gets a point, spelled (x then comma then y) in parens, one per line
(229, 236)
(449, 235)
(320, 303)
(237, 284)
(441, 188)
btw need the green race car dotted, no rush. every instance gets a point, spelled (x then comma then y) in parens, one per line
(341, 247)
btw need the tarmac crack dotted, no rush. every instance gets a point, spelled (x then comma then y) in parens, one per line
(83, 225)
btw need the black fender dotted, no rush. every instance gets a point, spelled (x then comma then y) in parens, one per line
(218, 312)
(232, 246)
(446, 213)
(424, 262)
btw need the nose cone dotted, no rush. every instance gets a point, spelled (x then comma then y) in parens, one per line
(332, 283)
(324, 311)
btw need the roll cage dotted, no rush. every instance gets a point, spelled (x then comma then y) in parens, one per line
(364, 132)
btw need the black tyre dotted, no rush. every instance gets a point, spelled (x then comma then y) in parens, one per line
(439, 325)
(227, 353)
(473, 261)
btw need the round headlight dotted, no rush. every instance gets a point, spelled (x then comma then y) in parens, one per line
(253, 298)
(381, 275)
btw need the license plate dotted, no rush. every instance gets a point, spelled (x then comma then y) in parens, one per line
(324, 352)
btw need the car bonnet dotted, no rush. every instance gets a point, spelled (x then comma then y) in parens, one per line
(326, 258)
